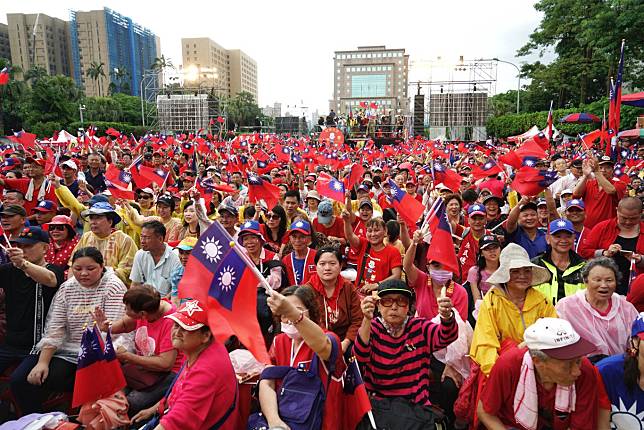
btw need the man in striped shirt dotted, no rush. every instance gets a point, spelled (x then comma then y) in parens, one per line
(395, 349)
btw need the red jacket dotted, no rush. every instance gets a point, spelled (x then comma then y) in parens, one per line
(603, 235)
(309, 267)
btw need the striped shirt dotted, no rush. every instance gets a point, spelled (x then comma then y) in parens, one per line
(399, 366)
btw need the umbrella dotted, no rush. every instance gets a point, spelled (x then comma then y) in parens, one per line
(635, 99)
(632, 134)
(583, 117)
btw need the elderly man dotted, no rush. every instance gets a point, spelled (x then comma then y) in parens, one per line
(70, 176)
(549, 385)
(118, 248)
(35, 187)
(522, 227)
(94, 175)
(155, 262)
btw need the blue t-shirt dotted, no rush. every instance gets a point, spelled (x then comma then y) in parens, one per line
(298, 267)
(627, 406)
(534, 247)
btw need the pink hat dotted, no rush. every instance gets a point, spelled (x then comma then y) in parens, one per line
(59, 220)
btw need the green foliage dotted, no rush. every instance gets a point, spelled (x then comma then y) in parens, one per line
(513, 124)
(243, 111)
(46, 129)
(586, 37)
(52, 99)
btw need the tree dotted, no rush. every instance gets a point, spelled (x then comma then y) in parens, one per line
(13, 98)
(96, 71)
(121, 80)
(585, 36)
(53, 99)
(242, 110)
(34, 74)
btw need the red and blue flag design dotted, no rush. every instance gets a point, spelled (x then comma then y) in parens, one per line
(356, 398)
(490, 168)
(330, 187)
(446, 176)
(259, 189)
(441, 245)
(218, 274)
(529, 181)
(407, 207)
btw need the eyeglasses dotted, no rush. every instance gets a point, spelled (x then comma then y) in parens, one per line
(272, 217)
(388, 302)
(144, 197)
(54, 227)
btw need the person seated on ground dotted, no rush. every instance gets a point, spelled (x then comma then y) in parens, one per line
(151, 368)
(619, 238)
(301, 338)
(118, 249)
(205, 392)
(29, 284)
(487, 262)
(63, 240)
(299, 263)
(395, 348)
(510, 306)
(328, 224)
(564, 264)
(184, 249)
(597, 312)
(545, 383)
(522, 227)
(52, 367)
(338, 301)
(155, 262)
(621, 375)
(377, 262)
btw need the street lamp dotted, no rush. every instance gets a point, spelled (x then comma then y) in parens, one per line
(518, 77)
(81, 108)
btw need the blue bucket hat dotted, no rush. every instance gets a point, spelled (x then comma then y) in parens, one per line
(103, 208)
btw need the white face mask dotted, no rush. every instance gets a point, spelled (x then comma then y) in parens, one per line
(291, 331)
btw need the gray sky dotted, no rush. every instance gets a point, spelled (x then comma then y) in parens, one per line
(293, 41)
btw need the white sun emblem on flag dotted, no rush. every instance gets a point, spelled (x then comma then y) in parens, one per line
(529, 163)
(227, 278)
(211, 249)
(127, 177)
(337, 185)
(82, 353)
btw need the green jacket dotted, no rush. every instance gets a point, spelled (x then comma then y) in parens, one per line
(571, 281)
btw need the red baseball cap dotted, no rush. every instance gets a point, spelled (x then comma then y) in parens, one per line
(190, 316)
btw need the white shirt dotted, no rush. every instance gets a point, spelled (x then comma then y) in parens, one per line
(145, 271)
(568, 182)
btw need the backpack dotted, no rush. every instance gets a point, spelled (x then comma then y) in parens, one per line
(301, 398)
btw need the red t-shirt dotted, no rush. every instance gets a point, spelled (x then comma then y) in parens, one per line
(336, 230)
(498, 395)
(426, 303)
(283, 354)
(360, 230)
(379, 264)
(22, 185)
(600, 205)
(161, 331)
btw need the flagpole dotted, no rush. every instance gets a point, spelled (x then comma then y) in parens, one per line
(262, 280)
(370, 412)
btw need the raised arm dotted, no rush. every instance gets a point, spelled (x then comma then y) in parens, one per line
(411, 270)
(354, 241)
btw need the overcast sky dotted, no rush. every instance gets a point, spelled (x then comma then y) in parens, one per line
(293, 41)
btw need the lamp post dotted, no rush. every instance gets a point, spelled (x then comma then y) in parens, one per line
(518, 77)
(81, 108)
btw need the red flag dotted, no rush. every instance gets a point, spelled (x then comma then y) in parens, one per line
(447, 177)
(530, 181)
(488, 169)
(441, 244)
(4, 76)
(407, 207)
(113, 132)
(158, 175)
(259, 189)
(355, 175)
(330, 187)
(117, 176)
(219, 275)
(588, 138)
(614, 106)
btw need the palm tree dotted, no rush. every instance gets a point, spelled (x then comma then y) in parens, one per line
(160, 65)
(35, 73)
(96, 71)
(121, 76)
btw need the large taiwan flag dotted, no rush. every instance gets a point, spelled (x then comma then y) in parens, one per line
(407, 207)
(330, 187)
(219, 273)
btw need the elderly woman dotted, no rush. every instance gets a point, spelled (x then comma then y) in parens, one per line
(93, 286)
(338, 301)
(204, 394)
(622, 378)
(63, 240)
(510, 306)
(300, 340)
(394, 349)
(598, 313)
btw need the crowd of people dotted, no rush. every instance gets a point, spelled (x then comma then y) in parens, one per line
(538, 326)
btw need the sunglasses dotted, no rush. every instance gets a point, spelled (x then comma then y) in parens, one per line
(54, 227)
(272, 217)
(388, 302)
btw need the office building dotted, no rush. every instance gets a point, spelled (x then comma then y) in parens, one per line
(371, 74)
(5, 47)
(208, 65)
(273, 111)
(49, 46)
(125, 48)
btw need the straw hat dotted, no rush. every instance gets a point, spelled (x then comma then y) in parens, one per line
(514, 256)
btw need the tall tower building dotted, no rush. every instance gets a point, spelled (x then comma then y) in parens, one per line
(48, 46)
(243, 73)
(125, 48)
(371, 74)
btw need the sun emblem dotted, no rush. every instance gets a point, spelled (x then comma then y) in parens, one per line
(337, 185)
(211, 249)
(227, 278)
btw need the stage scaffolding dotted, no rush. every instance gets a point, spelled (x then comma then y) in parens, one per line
(456, 98)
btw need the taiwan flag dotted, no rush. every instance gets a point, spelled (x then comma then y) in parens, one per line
(356, 400)
(259, 189)
(530, 181)
(330, 187)
(188, 148)
(158, 175)
(407, 207)
(219, 274)
(490, 168)
(283, 153)
(441, 245)
(355, 175)
(447, 177)
(117, 176)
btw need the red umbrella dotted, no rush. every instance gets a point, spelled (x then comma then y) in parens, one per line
(635, 133)
(635, 99)
(582, 117)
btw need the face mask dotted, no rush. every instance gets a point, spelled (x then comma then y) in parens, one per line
(440, 276)
(291, 331)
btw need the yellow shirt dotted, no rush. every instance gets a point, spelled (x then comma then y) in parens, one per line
(500, 319)
(118, 251)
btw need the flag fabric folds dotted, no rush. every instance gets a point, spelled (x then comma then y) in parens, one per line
(530, 181)
(490, 168)
(330, 187)
(356, 400)
(407, 207)
(259, 189)
(441, 245)
(219, 274)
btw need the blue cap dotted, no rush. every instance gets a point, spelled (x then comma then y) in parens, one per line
(250, 227)
(575, 203)
(301, 226)
(98, 198)
(476, 209)
(31, 235)
(637, 329)
(561, 225)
